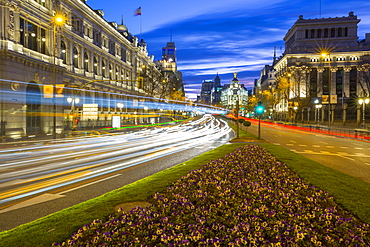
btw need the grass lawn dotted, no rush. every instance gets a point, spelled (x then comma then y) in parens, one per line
(349, 192)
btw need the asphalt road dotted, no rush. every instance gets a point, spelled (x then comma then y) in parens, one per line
(143, 155)
(350, 156)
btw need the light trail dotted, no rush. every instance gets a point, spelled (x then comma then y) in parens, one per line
(47, 167)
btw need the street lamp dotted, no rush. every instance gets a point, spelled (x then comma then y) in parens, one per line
(58, 21)
(363, 102)
(327, 55)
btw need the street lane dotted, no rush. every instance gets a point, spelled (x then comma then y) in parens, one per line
(28, 172)
(349, 156)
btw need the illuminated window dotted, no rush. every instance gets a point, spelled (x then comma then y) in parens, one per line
(75, 57)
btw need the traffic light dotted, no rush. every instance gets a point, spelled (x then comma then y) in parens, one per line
(260, 109)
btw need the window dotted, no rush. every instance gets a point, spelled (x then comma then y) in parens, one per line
(103, 68)
(123, 55)
(97, 37)
(32, 36)
(313, 82)
(63, 52)
(41, 2)
(332, 33)
(352, 83)
(111, 72)
(75, 57)
(325, 82)
(326, 33)
(340, 32)
(112, 47)
(95, 66)
(86, 62)
(339, 82)
(76, 24)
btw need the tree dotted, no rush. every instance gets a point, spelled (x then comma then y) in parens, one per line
(293, 88)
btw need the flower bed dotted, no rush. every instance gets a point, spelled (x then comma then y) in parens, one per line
(246, 198)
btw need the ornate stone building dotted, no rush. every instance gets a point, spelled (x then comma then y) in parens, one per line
(324, 64)
(43, 62)
(231, 93)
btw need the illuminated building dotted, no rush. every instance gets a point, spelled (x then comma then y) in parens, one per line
(172, 78)
(323, 62)
(231, 93)
(102, 59)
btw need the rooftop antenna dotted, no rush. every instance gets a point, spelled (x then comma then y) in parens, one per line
(122, 20)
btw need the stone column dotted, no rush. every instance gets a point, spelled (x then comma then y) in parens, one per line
(345, 105)
(358, 114)
(319, 81)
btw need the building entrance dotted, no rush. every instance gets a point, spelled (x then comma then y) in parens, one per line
(33, 114)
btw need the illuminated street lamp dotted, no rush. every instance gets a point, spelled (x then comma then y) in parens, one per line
(327, 55)
(58, 21)
(363, 102)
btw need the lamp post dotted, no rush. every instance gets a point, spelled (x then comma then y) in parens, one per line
(58, 21)
(318, 113)
(327, 55)
(363, 102)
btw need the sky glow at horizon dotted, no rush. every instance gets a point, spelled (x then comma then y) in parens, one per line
(223, 36)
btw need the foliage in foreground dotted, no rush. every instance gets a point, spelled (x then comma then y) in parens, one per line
(243, 199)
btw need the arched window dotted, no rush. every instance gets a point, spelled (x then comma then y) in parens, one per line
(346, 32)
(75, 57)
(63, 52)
(104, 69)
(86, 62)
(111, 74)
(95, 66)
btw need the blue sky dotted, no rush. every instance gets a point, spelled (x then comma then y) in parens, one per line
(218, 36)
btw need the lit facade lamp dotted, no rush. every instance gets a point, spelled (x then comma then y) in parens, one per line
(58, 21)
(363, 102)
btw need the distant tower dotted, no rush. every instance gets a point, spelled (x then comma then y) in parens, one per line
(169, 52)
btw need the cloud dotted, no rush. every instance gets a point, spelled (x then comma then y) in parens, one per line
(227, 36)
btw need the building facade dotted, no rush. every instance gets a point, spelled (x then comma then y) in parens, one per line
(323, 72)
(171, 86)
(231, 93)
(43, 63)
(210, 92)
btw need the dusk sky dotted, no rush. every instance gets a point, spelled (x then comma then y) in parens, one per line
(218, 36)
